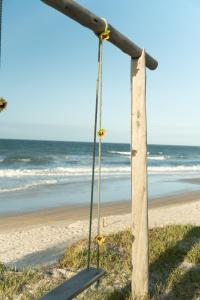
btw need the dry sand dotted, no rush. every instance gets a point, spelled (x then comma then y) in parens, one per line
(40, 237)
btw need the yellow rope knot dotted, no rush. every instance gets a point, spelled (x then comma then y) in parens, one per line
(101, 133)
(100, 239)
(3, 104)
(106, 34)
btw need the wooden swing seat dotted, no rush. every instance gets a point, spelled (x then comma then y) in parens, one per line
(75, 285)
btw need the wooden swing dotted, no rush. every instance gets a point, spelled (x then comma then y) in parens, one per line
(85, 278)
(75, 285)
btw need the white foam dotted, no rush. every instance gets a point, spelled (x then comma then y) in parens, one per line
(24, 159)
(29, 186)
(121, 153)
(124, 153)
(172, 169)
(157, 157)
(60, 171)
(86, 171)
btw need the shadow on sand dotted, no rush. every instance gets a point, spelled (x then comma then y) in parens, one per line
(36, 259)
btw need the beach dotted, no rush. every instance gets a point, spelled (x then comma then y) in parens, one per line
(45, 191)
(40, 237)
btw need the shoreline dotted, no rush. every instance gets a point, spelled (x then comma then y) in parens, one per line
(40, 237)
(68, 213)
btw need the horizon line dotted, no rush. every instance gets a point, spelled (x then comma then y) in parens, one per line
(91, 142)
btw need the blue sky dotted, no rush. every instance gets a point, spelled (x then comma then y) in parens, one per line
(49, 65)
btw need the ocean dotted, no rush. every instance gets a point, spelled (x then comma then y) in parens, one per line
(44, 174)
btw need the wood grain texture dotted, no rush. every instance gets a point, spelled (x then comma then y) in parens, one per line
(139, 177)
(86, 18)
(75, 285)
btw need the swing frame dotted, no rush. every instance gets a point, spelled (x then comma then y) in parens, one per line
(139, 196)
(139, 193)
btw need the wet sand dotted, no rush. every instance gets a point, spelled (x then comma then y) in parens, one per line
(72, 213)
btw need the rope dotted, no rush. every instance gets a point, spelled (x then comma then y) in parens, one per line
(1, 13)
(99, 239)
(100, 156)
(3, 102)
(106, 34)
(94, 155)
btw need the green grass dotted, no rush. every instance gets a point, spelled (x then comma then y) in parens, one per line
(174, 253)
(12, 282)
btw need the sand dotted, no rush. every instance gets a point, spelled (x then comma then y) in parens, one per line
(41, 237)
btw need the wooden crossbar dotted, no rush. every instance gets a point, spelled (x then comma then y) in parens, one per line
(75, 285)
(86, 18)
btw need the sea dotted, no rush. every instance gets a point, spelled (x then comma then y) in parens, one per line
(36, 175)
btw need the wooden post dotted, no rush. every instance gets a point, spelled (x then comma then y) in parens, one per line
(139, 178)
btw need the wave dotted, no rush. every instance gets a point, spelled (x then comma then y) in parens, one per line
(171, 169)
(162, 157)
(23, 160)
(32, 160)
(29, 186)
(125, 153)
(121, 152)
(86, 171)
(61, 171)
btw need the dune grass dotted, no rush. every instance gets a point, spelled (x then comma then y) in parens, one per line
(174, 254)
(174, 257)
(12, 282)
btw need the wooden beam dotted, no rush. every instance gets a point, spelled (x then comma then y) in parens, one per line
(139, 178)
(86, 18)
